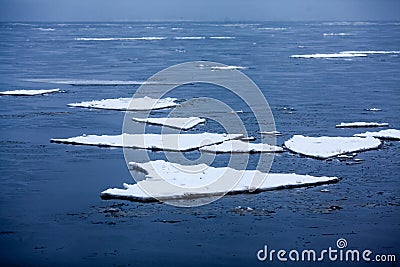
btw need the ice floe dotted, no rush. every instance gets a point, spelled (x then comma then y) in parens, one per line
(373, 109)
(390, 134)
(222, 37)
(337, 34)
(120, 38)
(276, 133)
(238, 146)
(167, 142)
(370, 52)
(190, 38)
(332, 55)
(162, 178)
(361, 124)
(325, 147)
(177, 123)
(97, 82)
(30, 92)
(145, 103)
(227, 68)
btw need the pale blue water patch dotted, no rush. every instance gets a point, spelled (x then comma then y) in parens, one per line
(50, 207)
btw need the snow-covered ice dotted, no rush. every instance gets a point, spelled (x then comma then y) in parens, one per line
(276, 133)
(337, 34)
(370, 52)
(30, 92)
(326, 147)
(151, 38)
(391, 134)
(238, 146)
(332, 55)
(361, 124)
(227, 68)
(162, 178)
(177, 123)
(80, 82)
(168, 142)
(145, 103)
(373, 109)
(190, 38)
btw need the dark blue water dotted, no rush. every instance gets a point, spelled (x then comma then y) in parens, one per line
(50, 207)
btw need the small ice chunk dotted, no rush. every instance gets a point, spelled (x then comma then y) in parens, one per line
(276, 133)
(145, 103)
(325, 147)
(161, 174)
(227, 68)
(177, 123)
(238, 146)
(390, 134)
(30, 92)
(373, 109)
(361, 124)
(168, 142)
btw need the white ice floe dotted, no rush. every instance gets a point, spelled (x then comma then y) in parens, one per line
(177, 123)
(98, 82)
(238, 146)
(168, 142)
(162, 178)
(272, 28)
(46, 29)
(333, 55)
(276, 133)
(370, 52)
(227, 68)
(361, 124)
(326, 147)
(30, 92)
(337, 34)
(190, 38)
(145, 103)
(120, 38)
(222, 37)
(391, 134)
(373, 109)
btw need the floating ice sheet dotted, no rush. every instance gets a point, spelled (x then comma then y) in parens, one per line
(391, 134)
(168, 142)
(98, 82)
(238, 146)
(200, 183)
(333, 55)
(227, 68)
(177, 123)
(326, 147)
(361, 124)
(30, 92)
(145, 103)
(276, 133)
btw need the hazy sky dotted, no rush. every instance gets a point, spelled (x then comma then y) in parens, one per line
(110, 10)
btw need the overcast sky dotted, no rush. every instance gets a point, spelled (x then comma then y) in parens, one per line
(116, 10)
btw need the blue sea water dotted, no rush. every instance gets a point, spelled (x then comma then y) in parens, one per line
(51, 212)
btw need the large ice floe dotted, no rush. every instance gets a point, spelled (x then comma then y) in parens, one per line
(325, 147)
(332, 55)
(30, 92)
(390, 134)
(144, 103)
(162, 179)
(361, 124)
(177, 123)
(238, 146)
(167, 142)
